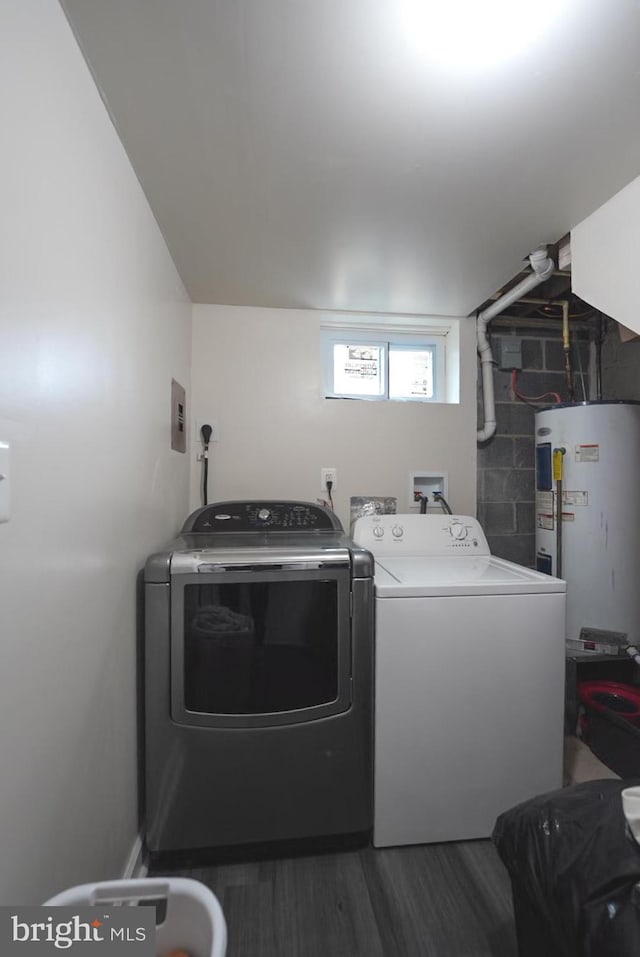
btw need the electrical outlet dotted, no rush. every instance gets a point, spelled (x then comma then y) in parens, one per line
(198, 425)
(328, 475)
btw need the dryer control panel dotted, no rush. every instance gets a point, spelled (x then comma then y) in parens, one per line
(271, 516)
(421, 535)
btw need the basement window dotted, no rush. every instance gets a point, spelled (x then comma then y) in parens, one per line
(384, 362)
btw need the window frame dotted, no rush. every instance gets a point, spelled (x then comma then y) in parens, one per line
(391, 338)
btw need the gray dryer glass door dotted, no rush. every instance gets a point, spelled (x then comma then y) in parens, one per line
(258, 647)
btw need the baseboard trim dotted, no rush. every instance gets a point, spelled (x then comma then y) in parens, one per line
(135, 866)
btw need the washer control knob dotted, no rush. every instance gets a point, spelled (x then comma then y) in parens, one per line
(378, 531)
(457, 531)
(397, 531)
(264, 514)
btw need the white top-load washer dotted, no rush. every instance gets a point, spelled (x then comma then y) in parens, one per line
(469, 679)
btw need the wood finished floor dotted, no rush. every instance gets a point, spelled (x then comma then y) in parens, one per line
(439, 900)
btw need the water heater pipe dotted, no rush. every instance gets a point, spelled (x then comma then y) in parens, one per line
(543, 268)
(566, 342)
(566, 348)
(558, 476)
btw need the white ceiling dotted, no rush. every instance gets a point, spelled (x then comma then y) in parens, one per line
(313, 153)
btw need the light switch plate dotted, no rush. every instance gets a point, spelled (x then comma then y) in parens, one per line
(5, 484)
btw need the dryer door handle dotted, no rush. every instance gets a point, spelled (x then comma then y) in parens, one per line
(217, 567)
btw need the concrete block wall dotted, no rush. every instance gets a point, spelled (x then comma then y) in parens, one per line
(620, 365)
(506, 463)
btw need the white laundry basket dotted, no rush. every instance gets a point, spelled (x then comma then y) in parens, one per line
(194, 921)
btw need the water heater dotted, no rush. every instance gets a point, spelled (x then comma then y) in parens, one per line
(598, 537)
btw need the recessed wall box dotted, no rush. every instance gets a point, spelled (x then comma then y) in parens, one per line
(178, 417)
(423, 483)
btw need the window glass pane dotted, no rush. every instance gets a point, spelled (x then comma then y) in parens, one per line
(358, 369)
(410, 373)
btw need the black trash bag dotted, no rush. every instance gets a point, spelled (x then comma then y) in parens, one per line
(574, 867)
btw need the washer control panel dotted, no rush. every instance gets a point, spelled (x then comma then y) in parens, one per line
(421, 535)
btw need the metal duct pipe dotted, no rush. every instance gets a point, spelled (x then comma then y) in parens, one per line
(543, 268)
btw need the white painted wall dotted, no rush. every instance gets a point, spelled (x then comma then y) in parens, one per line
(94, 322)
(604, 254)
(256, 375)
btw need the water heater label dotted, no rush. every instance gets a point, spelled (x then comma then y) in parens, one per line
(575, 498)
(544, 501)
(545, 520)
(587, 453)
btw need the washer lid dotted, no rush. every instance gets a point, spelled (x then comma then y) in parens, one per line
(413, 577)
